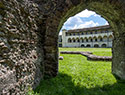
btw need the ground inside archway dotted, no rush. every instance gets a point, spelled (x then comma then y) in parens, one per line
(77, 76)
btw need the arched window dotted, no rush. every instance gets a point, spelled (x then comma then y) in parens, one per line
(78, 40)
(69, 40)
(96, 45)
(74, 40)
(104, 45)
(91, 40)
(105, 38)
(96, 40)
(86, 40)
(110, 38)
(88, 45)
(82, 45)
(82, 40)
(101, 39)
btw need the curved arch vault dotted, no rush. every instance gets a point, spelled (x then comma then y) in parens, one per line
(107, 9)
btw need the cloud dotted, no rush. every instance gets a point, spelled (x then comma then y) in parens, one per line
(74, 19)
(84, 19)
(86, 24)
(79, 25)
(106, 23)
(96, 15)
(77, 21)
(86, 13)
(71, 22)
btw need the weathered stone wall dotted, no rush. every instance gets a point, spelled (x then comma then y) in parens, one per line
(29, 38)
(21, 53)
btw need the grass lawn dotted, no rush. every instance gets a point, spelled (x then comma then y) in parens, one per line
(77, 76)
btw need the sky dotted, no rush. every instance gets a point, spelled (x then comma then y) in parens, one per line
(84, 19)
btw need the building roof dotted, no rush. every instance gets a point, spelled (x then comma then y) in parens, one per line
(90, 29)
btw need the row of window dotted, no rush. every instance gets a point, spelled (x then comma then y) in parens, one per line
(91, 40)
(96, 45)
(85, 33)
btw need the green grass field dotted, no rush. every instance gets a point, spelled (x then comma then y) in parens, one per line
(77, 76)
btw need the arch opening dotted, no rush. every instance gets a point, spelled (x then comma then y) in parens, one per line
(96, 46)
(82, 45)
(88, 45)
(113, 20)
(103, 45)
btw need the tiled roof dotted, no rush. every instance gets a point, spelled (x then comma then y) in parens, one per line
(90, 29)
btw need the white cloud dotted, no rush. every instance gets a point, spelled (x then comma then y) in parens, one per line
(86, 13)
(75, 27)
(86, 24)
(83, 20)
(77, 21)
(73, 20)
(96, 15)
(106, 23)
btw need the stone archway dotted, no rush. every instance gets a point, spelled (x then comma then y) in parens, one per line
(29, 37)
(107, 9)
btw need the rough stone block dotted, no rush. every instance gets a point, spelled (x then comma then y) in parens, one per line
(60, 57)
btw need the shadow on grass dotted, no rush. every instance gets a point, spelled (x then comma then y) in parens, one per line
(63, 85)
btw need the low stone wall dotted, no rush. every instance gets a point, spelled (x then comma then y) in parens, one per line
(89, 55)
(74, 52)
(99, 58)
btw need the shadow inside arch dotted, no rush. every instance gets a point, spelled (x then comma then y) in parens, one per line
(64, 85)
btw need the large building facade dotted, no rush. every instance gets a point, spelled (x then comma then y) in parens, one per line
(100, 36)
